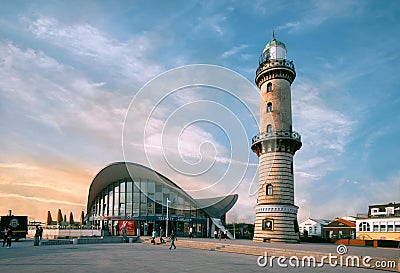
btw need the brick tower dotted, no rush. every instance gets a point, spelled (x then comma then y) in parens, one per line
(275, 146)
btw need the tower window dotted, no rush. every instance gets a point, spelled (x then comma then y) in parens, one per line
(269, 107)
(269, 128)
(269, 189)
(269, 87)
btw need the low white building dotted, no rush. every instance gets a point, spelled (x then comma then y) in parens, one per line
(382, 223)
(312, 227)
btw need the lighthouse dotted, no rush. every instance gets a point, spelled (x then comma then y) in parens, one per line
(275, 145)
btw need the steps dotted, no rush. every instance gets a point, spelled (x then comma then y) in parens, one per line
(225, 246)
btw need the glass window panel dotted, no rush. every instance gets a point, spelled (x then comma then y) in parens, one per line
(172, 196)
(158, 208)
(105, 198)
(135, 208)
(151, 187)
(143, 209)
(110, 197)
(129, 186)
(128, 208)
(165, 190)
(158, 196)
(143, 198)
(116, 203)
(143, 185)
(136, 197)
(122, 197)
(136, 187)
(116, 198)
(121, 209)
(101, 206)
(193, 212)
(150, 208)
(158, 187)
(187, 205)
(122, 187)
(165, 196)
(128, 197)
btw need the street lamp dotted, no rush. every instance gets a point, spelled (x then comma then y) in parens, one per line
(166, 224)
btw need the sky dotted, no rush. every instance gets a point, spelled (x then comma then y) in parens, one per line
(170, 85)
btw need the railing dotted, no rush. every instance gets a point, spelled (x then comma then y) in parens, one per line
(275, 63)
(278, 134)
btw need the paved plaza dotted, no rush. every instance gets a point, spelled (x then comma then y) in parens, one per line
(24, 257)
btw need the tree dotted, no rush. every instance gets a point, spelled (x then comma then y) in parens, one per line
(59, 217)
(71, 219)
(49, 218)
(82, 218)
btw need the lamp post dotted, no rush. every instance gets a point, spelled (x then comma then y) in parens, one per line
(166, 224)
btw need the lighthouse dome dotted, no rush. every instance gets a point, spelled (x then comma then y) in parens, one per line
(275, 50)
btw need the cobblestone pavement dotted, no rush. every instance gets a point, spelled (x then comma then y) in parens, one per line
(24, 257)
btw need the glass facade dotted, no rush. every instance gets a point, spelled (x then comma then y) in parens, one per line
(142, 202)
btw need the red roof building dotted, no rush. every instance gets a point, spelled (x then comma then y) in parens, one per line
(340, 229)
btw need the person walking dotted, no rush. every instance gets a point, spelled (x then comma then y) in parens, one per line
(215, 234)
(225, 233)
(40, 233)
(5, 236)
(173, 239)
(190, 232)
(153, 236)
(36, 239)
(124, 234)
(219, 234)
(117, 229)
(9, 235)
(161, 235)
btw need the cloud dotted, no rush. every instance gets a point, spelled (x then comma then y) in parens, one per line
(233, 51)
(44, 200)
(85, 43)
(320, 12)
(320, 123)
(326, 131)
(362, 194)
(212, 22)
(57, 124)
(39, 90)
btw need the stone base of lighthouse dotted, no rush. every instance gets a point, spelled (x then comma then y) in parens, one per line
(276, 224)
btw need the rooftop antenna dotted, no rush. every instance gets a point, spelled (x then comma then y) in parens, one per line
(273, 35)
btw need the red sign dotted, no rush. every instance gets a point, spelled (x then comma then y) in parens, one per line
(129, 225)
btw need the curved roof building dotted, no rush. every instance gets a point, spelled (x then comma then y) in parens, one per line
(139, 199)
